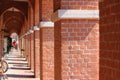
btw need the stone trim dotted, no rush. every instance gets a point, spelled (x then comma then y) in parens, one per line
(31, 31)
(75, 14)
(46, 24)
(36, 28)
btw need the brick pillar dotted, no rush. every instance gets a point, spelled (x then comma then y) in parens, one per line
(37, 38)
(78, 49)
(32, 50)
(47, 40)
(37, 53)
(76, 40)
(25, 46)
(20, 45)
(28, 55)
(47, 53)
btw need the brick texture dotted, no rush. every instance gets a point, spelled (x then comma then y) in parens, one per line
(109, 40)
(79, 4)
(28, 50)
(37, 12)
(77, 49)
(25, 44)
(32, 50)
(57, 49)
(47, 9)
(47, 41)
(37, 53)
(57, 5)
(19, 44)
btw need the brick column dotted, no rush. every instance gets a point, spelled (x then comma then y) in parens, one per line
(20, 44)
(25, 46)
(76, 40)
(37, 38)
(37, 52)
(47, 40)
(32, 50)
(47, 52)
(79, 49)
(28, 50)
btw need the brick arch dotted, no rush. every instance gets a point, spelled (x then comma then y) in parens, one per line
(15, 9)
(17, 17)
(9, 16)
(5, 6)
(14, 31)
(13, 25)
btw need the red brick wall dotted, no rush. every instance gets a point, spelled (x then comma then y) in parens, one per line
(47, 9)
(79, 4)
(28, 55)
(57, 5)
(32, 50)
(57, 49)
(78, 49)
(20, 44)
(40, 10)
(47, 53)
(41, 60)
(109, 40)
(25, 44)
(37, 53)
(37, 12)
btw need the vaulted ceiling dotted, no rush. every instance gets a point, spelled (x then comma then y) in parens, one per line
(13, 14)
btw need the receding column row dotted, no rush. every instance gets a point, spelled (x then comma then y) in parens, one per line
(68, 49)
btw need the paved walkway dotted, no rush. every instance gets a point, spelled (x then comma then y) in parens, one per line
(18, 68)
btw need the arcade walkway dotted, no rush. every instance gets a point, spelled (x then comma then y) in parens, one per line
(18, 67)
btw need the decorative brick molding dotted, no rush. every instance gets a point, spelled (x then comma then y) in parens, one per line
(75, 14)
(46, 24)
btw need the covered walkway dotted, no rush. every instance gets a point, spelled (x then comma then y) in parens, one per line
(61, 39)
(18, 67)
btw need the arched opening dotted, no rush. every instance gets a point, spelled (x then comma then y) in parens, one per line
(11, 43)
(15, 41)
(12, 22)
